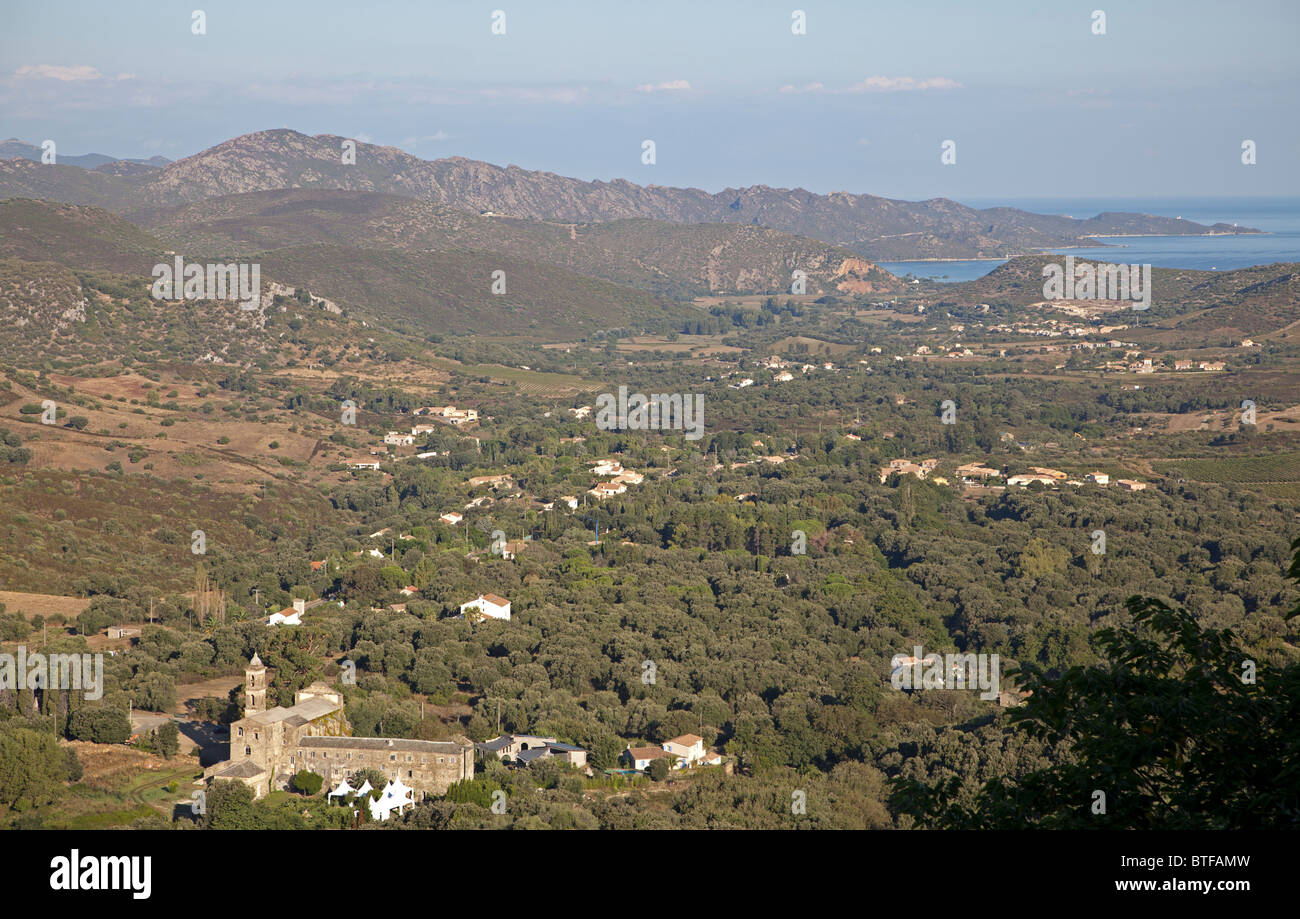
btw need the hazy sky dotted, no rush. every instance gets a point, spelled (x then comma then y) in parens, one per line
(1038, 105)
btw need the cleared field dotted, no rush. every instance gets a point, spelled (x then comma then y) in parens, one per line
(815, 346)
(1244, 470)
(47, 605)
(533, 382)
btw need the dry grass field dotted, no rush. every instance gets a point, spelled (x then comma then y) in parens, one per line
(32, 605)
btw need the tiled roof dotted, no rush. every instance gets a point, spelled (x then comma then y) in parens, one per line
(244, 769)
(391, 744)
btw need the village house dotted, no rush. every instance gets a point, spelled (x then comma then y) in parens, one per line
(491, 481)
(977, 471)
(1130, 484)
(489, 606)
(607, 490)
(364, 464)
(527, 748)
(419, 429)
(688, 748)
(398, 439)
(607, 467)
(290, 615)
(1213, 365)
(907, 467)
(451, 518)
(1098, 478)
(640, 758)
(1029, 479)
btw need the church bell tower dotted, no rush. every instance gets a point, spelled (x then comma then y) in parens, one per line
(254, 687)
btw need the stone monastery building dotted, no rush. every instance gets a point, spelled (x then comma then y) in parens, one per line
(268, 746)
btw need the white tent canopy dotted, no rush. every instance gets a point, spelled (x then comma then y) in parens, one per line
(394, 797)
(365, 789)
(342, 791)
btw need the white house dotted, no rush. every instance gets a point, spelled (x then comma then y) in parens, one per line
(640, 758)
(688, 748)
(1029, 479)
(289, 616)
(490, 605)
(451, 518)
(398, 439)
(607, 467)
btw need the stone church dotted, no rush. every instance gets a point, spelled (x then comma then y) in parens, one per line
(268, 746)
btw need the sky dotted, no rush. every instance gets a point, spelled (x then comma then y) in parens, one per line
(1037, 103)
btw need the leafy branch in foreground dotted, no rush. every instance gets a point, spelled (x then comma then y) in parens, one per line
(1177, 728)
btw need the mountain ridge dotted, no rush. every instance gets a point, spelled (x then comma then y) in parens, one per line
(873, 227)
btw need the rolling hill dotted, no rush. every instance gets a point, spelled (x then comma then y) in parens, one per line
(673, 259)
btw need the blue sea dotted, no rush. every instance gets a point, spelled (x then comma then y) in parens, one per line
(1278, 217)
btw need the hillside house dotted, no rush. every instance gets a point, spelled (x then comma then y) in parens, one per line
(490, 606)
(451, 518)
(527, 748)
(688, 748)
(607, 467)
(977, 471)
(640, 758)
(1031, 478)
(290, 615)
